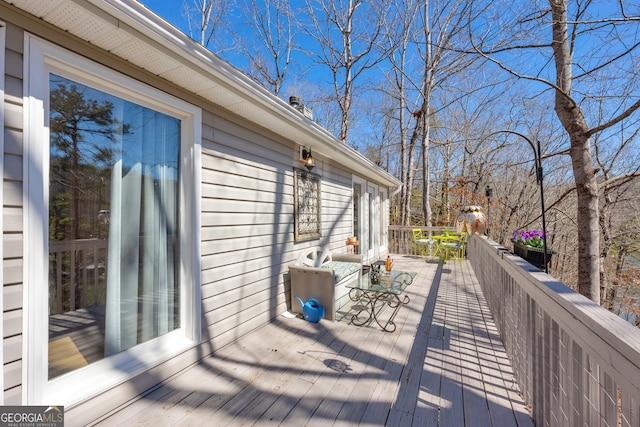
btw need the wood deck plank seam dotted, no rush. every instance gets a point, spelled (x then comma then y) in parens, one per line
(427, 412)
(215, 405)
(452, 408)
(168, 389)
(354, 407)
(404, 407)
(474, 398)
(187, 377)
(476, 358)
(331, 403)
(383, 337)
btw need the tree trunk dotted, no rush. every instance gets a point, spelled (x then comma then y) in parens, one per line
(411, 170)
(610, 300)
(426, 123)
(607, 291)
(575, 124)
(345, 104)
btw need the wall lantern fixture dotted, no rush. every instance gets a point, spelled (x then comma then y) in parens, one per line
(308, 159)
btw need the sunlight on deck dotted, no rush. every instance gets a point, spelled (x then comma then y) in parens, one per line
(445, 365)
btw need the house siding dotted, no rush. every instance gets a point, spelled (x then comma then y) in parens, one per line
(12, 233)
(247, 225)
(247, 236)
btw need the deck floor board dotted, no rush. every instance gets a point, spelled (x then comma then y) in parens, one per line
(445, 365)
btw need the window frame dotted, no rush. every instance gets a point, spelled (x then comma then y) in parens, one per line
(383, 195)
(41, 59)
(2, 79)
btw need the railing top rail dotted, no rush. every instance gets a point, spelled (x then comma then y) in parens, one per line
(61, 245)
(422, 227)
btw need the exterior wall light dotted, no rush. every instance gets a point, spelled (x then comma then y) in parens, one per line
(308, 159)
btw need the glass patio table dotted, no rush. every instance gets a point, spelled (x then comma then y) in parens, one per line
(384, 290)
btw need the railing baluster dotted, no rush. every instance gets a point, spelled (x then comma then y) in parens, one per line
(96, 271)
(83, 295)
(72, 280)
(59, 283)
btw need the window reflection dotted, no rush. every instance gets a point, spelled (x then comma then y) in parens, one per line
(113, 225)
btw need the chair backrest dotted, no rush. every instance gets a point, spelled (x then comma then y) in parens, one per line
(314, 257)
(417, 233)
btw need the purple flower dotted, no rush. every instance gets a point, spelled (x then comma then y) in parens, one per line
(533, 238)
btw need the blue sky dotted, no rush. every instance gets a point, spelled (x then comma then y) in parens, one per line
(169, 10)
(307, 81)
(304, 78)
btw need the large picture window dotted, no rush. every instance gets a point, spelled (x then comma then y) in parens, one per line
(113, 224)
(112, 227)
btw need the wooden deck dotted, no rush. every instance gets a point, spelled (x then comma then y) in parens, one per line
(445, 365)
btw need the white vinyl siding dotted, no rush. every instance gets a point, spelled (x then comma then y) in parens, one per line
(12, 211)
(247, 224)
(247, 228)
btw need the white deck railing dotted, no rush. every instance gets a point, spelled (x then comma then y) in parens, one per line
(401, 238)
(77, 274)
(576, 363)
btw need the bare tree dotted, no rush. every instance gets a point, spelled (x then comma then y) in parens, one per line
(575, 123)
(399, 38)
(618, 207)
(204, 18)
(622, 295)
(571, 105)
(270, 22)
(426, 31)
(345, 35)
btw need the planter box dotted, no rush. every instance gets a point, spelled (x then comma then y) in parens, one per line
(532, 255)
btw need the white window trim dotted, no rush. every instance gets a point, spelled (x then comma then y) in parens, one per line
(41, 58)
(362, 233)
(2, 78)
(373, 190)
(383, 194)
(363, 186)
